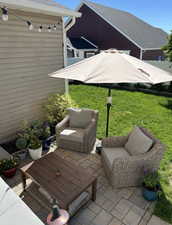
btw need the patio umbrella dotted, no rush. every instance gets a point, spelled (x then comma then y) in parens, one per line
(110, 67)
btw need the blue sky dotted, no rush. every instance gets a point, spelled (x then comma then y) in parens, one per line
(157, 13)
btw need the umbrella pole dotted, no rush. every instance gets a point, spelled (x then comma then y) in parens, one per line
(109, 104)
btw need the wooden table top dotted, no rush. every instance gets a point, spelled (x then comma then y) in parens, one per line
(67, 186)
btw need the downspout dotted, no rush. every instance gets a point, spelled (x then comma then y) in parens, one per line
(141, 54)
(73, 21)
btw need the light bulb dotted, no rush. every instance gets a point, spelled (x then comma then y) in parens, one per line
(4, 14)
(40, 29)
(30, 25)
(49, 29)
(55, 28)
(4, 17)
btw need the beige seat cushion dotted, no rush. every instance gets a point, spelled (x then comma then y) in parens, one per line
(138, 143)
(72, 134)
(79, 118)
(109, 154)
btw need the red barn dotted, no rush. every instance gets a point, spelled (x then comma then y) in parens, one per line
(111, 28)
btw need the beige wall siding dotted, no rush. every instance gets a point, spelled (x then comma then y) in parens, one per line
(26, 59)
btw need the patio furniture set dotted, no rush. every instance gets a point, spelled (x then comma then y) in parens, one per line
(124, 159)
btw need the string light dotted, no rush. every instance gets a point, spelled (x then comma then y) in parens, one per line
(40, 29)
(49, 29)
(28, 22)
(59, 22)
(29, 25)
(4, 13)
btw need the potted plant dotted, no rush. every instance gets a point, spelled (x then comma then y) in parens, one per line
(54, 109)
(36, 128)
(151, 186)
(21, 144)
(8, 167)
(35, 148)
(32, 129)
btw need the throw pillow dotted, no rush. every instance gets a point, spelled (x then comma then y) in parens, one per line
(79, 118)
(138, 142)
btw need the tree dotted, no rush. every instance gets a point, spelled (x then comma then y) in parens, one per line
(168, 48)
(168, 53)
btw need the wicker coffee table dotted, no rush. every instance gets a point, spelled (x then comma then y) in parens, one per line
(60, 178)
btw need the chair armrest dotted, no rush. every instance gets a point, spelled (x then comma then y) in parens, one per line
(114, 141)
(62, 125)
(90, 128)
(147, 161)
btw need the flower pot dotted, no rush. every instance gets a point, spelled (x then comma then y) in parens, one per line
(99, 149)
(150, 195)
(46, 144)
(10, 173)
(35, 153)
(21, 154)
(53, 129)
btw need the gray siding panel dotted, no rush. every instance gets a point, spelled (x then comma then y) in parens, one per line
(26, 59)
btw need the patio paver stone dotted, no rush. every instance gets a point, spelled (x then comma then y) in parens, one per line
(116, 222)
(121, 209)
(94, 207)
(134, 216)
(157, 221)
(103, 218)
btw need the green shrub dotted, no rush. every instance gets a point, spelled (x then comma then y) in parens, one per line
(7, 164)
(21, 143)
(35, 128)
(158, 87)
(45, 132)
(151, 180)
(55, 107)
(34, 143)
(25, 131)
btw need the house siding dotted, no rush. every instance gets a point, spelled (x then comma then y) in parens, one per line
(101, 33)
(26, 59)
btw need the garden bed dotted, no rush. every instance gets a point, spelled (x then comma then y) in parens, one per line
(10, 146)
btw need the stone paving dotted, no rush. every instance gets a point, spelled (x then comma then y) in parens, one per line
(112, 207)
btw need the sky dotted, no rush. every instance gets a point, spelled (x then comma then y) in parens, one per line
(155, 12)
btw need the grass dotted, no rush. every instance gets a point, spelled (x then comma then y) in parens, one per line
(130, 109)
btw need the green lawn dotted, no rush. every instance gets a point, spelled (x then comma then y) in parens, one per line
(129, 109)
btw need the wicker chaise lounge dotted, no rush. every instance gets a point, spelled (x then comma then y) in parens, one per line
(77, 131)
(124, 169)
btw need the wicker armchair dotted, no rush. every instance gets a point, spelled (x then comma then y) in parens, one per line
(128, 170)
(80, 139)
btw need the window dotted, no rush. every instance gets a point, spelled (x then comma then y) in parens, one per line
(89, 54)
(70, 53)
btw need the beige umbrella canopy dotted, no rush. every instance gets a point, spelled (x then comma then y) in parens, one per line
(112, 66)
